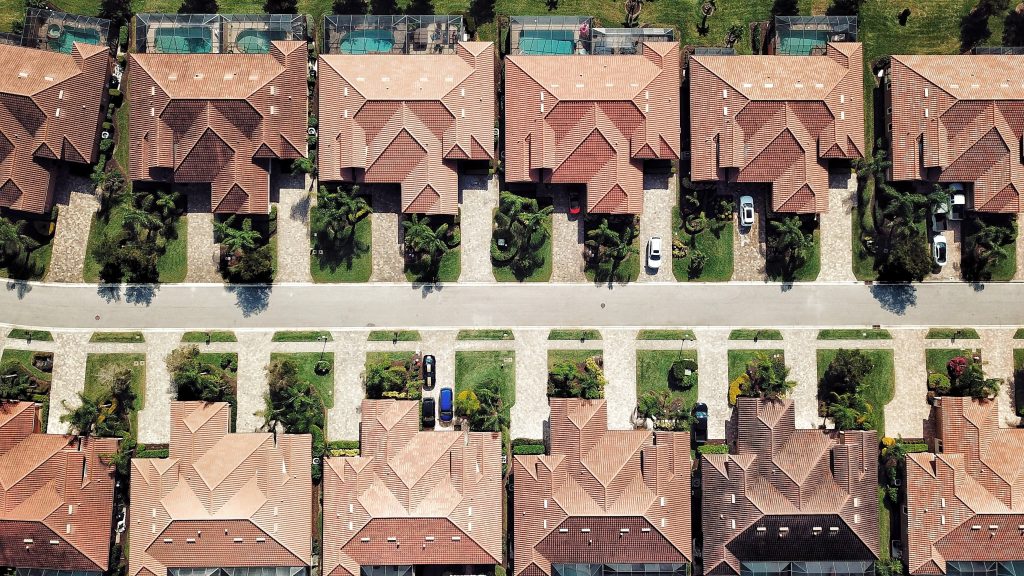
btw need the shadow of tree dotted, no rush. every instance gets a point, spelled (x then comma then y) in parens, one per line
(895, 298)
(251, 299)
(19, 286)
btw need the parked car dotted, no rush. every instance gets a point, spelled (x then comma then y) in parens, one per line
(958, 202)
(939, 249)
(429, 377)
(654, 253)
(746, 211)
(427, 413)
(574, 204)
(445, 408)
(939, 217)
(700, 423)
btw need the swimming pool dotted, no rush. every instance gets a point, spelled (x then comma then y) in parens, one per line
(70, 35)
(802, 42)
(374, 41)
(547, 42)
(183, 40)
(253, 41)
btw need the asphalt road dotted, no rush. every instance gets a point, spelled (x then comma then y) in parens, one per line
(208, 306)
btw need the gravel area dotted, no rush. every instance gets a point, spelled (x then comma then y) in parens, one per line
(293, 229)
(748, 244)
(837, 229)
(479, 199)
(387, 236)
(71, 237)
(660, 200)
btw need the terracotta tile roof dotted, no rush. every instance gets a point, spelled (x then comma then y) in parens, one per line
(221, 499)
(778, 120)
(788, 482)
(412, 497)
(408, 119)
(219, 118)
(592, 120)
(965, 503)
(960, 119)
(56, 495)
(601, 496)
(34, 85)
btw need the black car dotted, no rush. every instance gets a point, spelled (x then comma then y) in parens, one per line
(427, 413)
(429, 377)
(700, 423)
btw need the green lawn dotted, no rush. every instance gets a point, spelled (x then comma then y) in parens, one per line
(389, 335)
(475, 368)
(541, 274)
(573, 334)
(214, 336)
(665, 335)
(100, 368)
(879, 385)
(22, 334)
(937, 358)
(738, 360)
(808, 272)
(307, 372)
(1018, 380)
(1019, 334)
(574, 356)
(354, 269)
(11, 11)
(302, 336)
(715, 241)
(1004, 269)
(854, 334)
(630, 266)
(389, 357)
(39, 259)
(117, 337)
(485, 335)
(24, 357)
(754, 334)
(950, 333)
(652, 368)
(884, 523)
(173, 263)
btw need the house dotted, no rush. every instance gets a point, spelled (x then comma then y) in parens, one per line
(778, 120)
(790, 501)
(412, 500)
(406, 116)
(959, 119)
(51, 106)
(56, 497)
(222, 119)
(221, 503)
(592, 113)
(602, 503)
(964, 509)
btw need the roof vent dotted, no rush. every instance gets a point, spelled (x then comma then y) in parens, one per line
(22, 74)
(976, 527)
(816, 530)
(623, 530)
(168, 541)
(645, 529)
(993, 527)
(237, 540)
(27, 540)
(198, 76)
(761, 530)
(48, 78)
(833, 530)
(428, 538)
(364, 540)
(261, 539)
(456, 538)
(564, 530)
(54, 542)
(392, 539)
(584, 530)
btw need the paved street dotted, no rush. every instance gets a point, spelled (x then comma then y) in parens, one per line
(502, 305)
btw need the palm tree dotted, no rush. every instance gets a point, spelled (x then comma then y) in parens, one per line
(533, 221)
(15, 245)
(166, 204)
(875, 165)
(334, 217)
(140, 222)
(424, 240)
(790, 239)
(235, 239)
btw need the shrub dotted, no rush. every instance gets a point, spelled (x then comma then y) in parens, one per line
(528, 449)
(956, 366)
(713, 449)
(939, 383)
(681, 372)
(737, 387)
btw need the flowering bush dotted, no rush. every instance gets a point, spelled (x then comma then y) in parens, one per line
(956, 366)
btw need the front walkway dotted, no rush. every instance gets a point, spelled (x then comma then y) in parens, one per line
(837, 229)
(479, 199)
(660, 198)
(71, 237)
(293, 229)
(566, 240)
(386, 251)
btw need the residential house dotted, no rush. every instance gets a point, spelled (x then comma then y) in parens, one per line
(413, 502)
(592, 113)
(407, 115)
(788, 501)
(56, 497)
(778, 120)
(602, 503)
(964, 509)
(51, 106)
(958, 120)
(222, 503)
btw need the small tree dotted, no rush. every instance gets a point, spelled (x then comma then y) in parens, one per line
(82, 419)
(467, 404)
(769, 377)
(350, 7)
(850, 411)
(280, 6)
(846, 371)
(199, 7)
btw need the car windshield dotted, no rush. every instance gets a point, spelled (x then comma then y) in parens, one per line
(941, 249)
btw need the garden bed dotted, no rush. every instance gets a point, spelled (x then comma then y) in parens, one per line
(100, 369)
(575, 374)
(393, 375)
(710, 240)
(38, 368)
(352, 265)
(214, 336)
(485, 335)
(854, 334)
(474, 370)
(440, 266)
(35, 245)
(654, 375)
(877, 387)
(783, 265)
(523, 225)
(686, 335)
(605, 237)
(307, 361)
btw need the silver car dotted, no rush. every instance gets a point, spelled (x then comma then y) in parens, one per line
(746, 211)
(654, 253)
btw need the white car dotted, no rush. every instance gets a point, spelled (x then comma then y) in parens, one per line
(939, 249)
(746, 211)
(654, 253)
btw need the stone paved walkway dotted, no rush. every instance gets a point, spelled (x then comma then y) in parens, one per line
(71, 238)
(800, 348)
(837, 229)
(293, 230)
(155, 418)
(620, 370)
(387, 237)
(253, 357)
(906, 412)
(748, 244)
(1019, 274)
(349, 364)
(479, 200)
(660, 200)
(203, 252)
(713, 377)
(70, 351)
(566, 241)
(531, 413)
